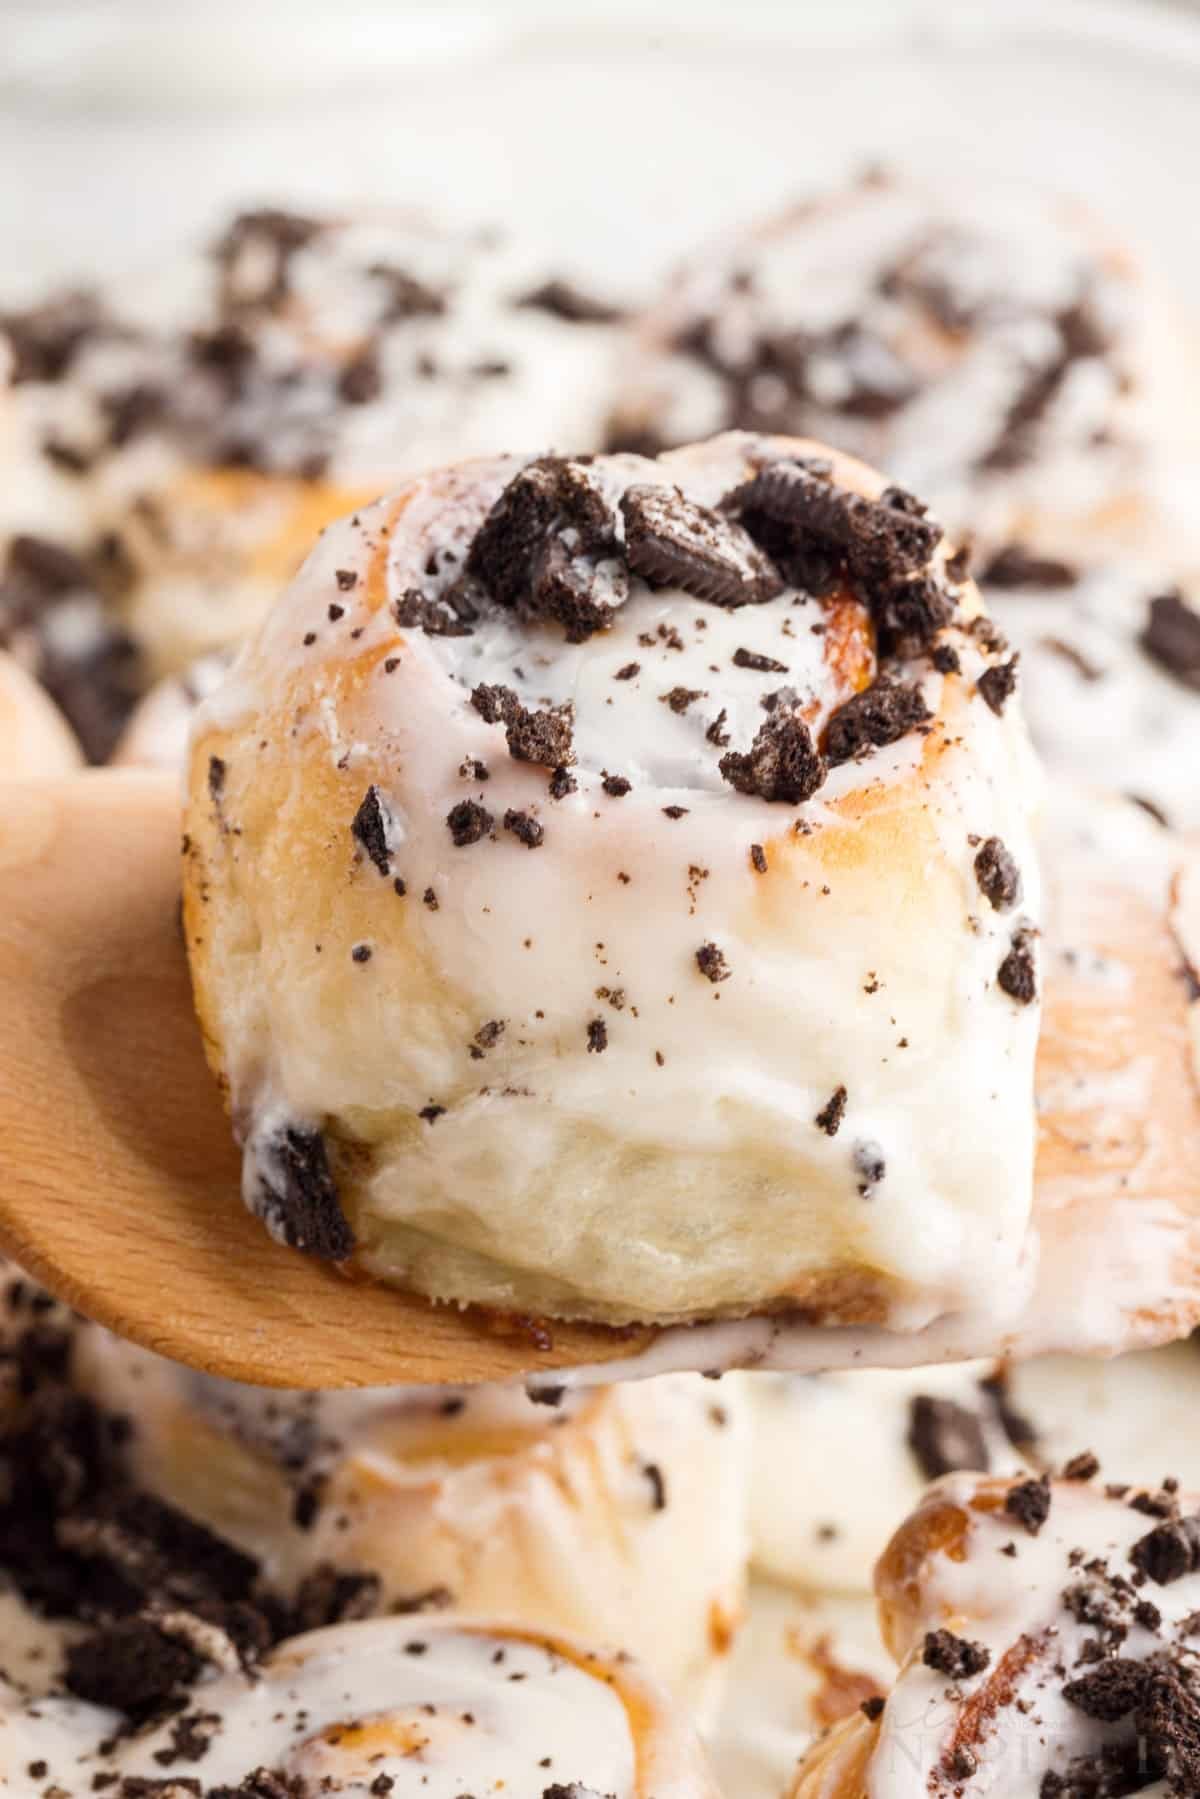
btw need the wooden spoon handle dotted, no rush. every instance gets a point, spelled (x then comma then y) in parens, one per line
(119, 1179)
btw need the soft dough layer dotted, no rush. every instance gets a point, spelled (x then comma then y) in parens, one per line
(679, 968)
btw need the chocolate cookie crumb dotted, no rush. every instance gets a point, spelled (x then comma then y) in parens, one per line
(945, 659)
(628, 672)
(873, 1707)
(710, 960)
(680, 698)
(763, 665)
(998, 875)
(675, 811)
(945, 1437)
(562, 782)
(1168, 1552)
(881, 714)
(1029, 1503)
(1085, 1466)
(467, 822)
(524, 827)
(1017, 974)
(216, 779)
(999, 683)
(296, 1196)
(955, 1657)
(782, 763)
(1172, 637)
(430, 1114)
(563, 300)
(1015, 566)
(658, 1486)
(672, 541)
(369, 828)
(361, 953)
(716, 733)
(616, 786)
(829, 1118)
(758, 858)
(597, 1036)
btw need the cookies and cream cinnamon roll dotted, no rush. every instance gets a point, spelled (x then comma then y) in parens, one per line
(610, 893)
(995, 351)
(35, 738)
(1044, 1631)
(618, 1514)
(171, 446)
(431, 1707)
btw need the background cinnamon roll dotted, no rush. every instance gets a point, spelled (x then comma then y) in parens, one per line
(618, 1515)
(1044, 1634)
(171, 447)
(436, 1707)
(604, 781)
(998, 353)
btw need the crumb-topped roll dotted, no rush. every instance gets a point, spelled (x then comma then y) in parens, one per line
(170, 446)
(1045, 1634)
(609, 892)
(617, 1514)
(436, 1708)
(994, 349)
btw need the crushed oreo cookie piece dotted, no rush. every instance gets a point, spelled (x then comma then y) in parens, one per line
(437, 618)
(998, 875)
(468, 822)
(1017, 973)
(881, 714)
(955, 1657)
(945, 1437)
(543, 737)
(294, 1193)
(1169, 1551)
(1015, 566)
(564, 300)
(829, 1118)
(1171, 637)
(1029, 1503)
(525, 828)
(369, 828)
(710, 960)
(680, 698)
(760, 664)
(597, 1036)
(782, 764)
(616, 786)
(671, 541)
(998, 684)
(548, 549)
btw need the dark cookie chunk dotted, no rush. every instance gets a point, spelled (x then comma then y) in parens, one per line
(1168, 1552)
(562, 782)
(881, 714)
(783, 762)
(1084, 1466)
(946, 659)
(754, 659)
(616, 786)
(525, 828)
(132, 1666)
(254, 257)
(541, 549)
(945, 1437)
(467, 822)
(437, 618)
(888, 539)
(563, 300)
(829, 1118)
(296, 1196)
(334, 1596)
(998, 875)
(998, 684)
(680, 698)
(46, 339)
(955, 1657)
(673, 542)
(1017, 974)
(597, 1036)
(369, 828)
(542, 737)
(1110, 1691)
(1015, 566)
(1172, 638)
(758, 855)
(1029, 1503)
(710, 960)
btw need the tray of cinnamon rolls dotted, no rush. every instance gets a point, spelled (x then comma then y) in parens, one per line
(683, 733)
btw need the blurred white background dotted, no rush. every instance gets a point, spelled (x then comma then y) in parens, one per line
(617, 134)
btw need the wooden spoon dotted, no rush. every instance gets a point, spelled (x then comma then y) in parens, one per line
(119, 1180)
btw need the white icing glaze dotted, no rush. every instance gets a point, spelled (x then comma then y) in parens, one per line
(941, 305)
(879, 972)
(442, 1709)
(1014, 1607)
(802, 1660)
